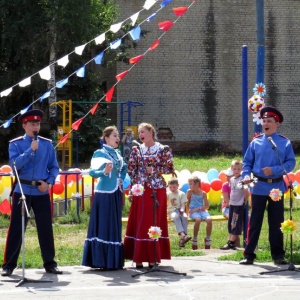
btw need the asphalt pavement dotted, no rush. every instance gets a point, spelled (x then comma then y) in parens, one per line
(198, 277)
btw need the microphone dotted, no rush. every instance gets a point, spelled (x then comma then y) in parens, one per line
(136, 143)
(35, 134)
(272, 142)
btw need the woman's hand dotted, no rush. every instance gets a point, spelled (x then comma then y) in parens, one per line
(108, 168)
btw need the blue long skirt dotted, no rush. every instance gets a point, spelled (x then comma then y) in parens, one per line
(103, 247)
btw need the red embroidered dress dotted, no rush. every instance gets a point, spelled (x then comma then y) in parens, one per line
(137, 244)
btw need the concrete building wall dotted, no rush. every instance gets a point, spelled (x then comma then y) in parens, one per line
(192, 82)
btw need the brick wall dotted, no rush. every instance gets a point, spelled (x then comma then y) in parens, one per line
(192, 82)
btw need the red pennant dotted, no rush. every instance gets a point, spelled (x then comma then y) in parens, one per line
(179, 11)
(94, 108)
(122, 75)
(165, 25)
(63, 139)
(5, 207)
(135, 60)
(76, 124)
(109, 94)
(154, 45)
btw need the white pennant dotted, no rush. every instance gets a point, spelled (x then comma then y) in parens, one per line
(45, 73)
(115, 27)
(79, 49)
(134, 18)
(100, 39)
(25, 82)
(6, 92)
(63, 61)
(149, 3)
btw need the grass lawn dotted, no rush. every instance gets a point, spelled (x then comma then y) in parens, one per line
(70, 231)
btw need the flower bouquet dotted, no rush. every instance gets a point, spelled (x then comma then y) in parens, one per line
(288, 227)
(154, 232)
(137, 190)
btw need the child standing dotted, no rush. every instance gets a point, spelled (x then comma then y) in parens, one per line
(238, 198)
(198, 206)
(176, 200)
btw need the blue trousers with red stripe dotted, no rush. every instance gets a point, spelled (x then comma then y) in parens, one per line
(43, 219)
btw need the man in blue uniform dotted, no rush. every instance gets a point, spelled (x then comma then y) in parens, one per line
(35, 161)
(268, 157)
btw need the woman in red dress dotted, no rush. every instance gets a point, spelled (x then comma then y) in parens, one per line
(146, 165)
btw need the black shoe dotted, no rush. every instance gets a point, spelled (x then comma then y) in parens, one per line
(53, 270)
(246, 261)
(6, 272)
(280, 261)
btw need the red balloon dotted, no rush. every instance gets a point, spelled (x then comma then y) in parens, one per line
(216, 184)
(205, 186)
(297, 176)
(292, 176)
(58, 188)
(6, 169)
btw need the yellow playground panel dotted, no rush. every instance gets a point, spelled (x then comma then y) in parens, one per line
(65, 128)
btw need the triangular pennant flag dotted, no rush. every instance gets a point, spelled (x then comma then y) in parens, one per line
(5, 207)
(165, 3)
(63, 139)
(135, 33)
(23, 111)
(94, 108)
(25, 82)
(46, 95)
(115, 27)
(81, 72)
(79, 49)
(98, 58)
(151, 17)
(115, 44)
(134, 18)
(63, 61)
(122, 75)
(135, 60)
(179, 11)
(77, 123)
(6, 92)
(61, 83)
(149, 3)
(100, 39)
(154, 45)
(7, 123)
(165, 25)
(45, 73)
(109, 94)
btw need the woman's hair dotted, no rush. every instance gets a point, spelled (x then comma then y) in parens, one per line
(195, 179)
(149, 127)
(106, 133)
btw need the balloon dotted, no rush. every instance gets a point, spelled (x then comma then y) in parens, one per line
(286, 180)
(298, 189)
(292, 176)
(6, 181)
(183, 177)
(126, 182)
(214, 196)
(205, 186)
(1, 188)
(223, 176)
(212, 174)
(197, 174)
(216, 184)
(167, 177)
(203, 176)
(297, 176)
(58, 188)
(185, 187)
(6, 169)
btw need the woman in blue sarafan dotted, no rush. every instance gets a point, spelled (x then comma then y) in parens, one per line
(103, 247)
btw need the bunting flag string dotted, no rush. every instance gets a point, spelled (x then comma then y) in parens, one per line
(81, 71)
(178, 12)
(45, 73)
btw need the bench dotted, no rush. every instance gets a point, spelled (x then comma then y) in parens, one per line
(214, 218)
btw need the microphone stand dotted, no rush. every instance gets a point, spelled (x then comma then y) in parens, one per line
(155, 267)
(291, 266)
(23, 208)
